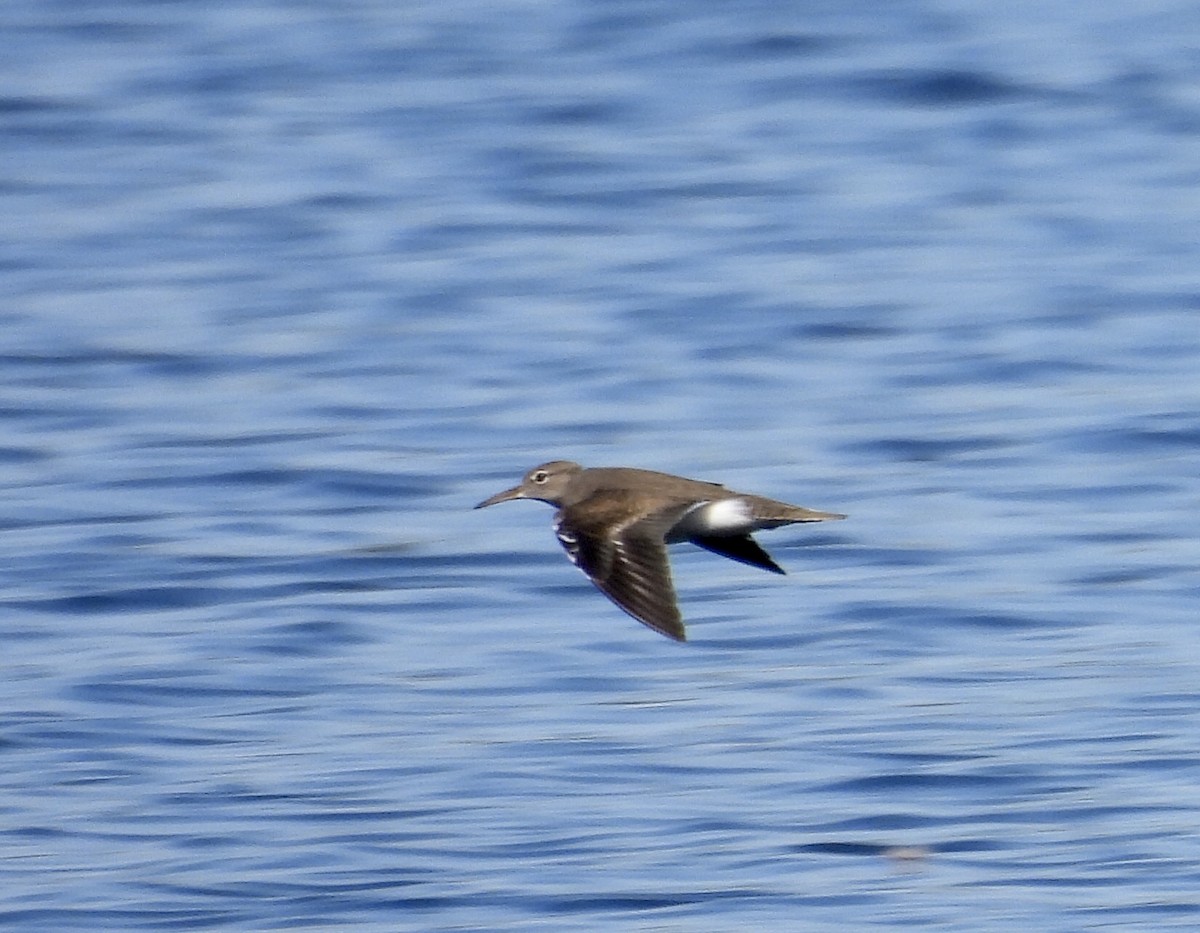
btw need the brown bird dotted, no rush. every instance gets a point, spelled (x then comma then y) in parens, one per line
(615, 524)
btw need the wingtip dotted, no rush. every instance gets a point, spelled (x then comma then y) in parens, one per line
(671, 629)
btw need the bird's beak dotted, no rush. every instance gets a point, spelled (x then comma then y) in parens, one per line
(515, 493)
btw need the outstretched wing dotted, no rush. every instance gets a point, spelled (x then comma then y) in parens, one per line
(624, 555)
(742, 548)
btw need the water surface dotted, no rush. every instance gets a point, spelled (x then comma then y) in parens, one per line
(288, 288)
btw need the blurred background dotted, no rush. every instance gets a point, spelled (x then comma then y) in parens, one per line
(288, 287)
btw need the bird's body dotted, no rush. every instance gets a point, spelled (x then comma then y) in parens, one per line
(615, 524)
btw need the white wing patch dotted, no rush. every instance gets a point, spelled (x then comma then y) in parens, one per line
(722, 518)
(569, 541)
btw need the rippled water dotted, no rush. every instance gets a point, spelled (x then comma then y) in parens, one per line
(287, 288)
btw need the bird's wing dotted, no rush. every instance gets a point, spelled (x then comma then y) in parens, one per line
(623, 553)
(742, 548)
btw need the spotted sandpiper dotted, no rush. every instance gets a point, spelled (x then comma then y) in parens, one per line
(616, 522)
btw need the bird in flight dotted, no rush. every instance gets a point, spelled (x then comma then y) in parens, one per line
(615, 524)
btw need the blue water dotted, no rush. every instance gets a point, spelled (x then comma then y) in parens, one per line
(288, 287)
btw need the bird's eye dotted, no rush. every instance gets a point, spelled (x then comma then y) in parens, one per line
(540, 476)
